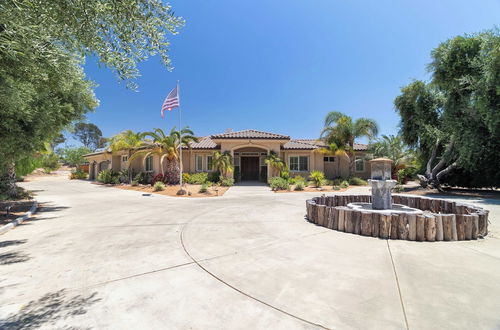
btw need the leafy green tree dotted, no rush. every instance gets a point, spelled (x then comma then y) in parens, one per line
(223, 163)
(88, 134)
(74, 155)
(42, 46)
(340, 133)
(453, 120)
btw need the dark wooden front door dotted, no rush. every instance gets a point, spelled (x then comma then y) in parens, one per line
(249, 168)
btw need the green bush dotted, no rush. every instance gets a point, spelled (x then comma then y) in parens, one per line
(227, 182)
(296, 179)
(355, 181)
(214, 176)
(105, 176)
(78, 174)
(27, 165)
(203, 188)
(143, 178)
(318, 178)
(344, 184)
(337, 181)
(73, 156)
(124, 176)
(50, 162)
(198, 178)
(186, 177)
(300, 185)
(159, 186)
(336, 188)
(405, 174)
(134, 183)
(278, 183)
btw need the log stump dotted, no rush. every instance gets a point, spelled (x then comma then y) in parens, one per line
(420, 227)
(321, 215)
(341, 219)
(403, 228)
(430, 228)
(357, 222)
(349, 221)
(375, 224)
(439, 227)
(460, 227)
(412, 227)
(366, 223)
(385, 226)
(394, 226)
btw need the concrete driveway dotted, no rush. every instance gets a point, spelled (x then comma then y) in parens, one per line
(105, 258)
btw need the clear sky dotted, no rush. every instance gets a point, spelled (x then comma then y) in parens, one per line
(280, 66)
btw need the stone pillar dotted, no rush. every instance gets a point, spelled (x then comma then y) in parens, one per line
(381, 193)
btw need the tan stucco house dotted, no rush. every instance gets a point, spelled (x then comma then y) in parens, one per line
(248, 148)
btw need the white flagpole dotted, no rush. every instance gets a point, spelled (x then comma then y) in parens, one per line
(180, 136)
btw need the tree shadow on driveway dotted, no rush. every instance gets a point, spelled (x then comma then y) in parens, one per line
(13, 258)
(49, 309)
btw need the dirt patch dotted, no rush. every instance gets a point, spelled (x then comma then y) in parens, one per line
(458, 192)
(17, 209)
(314, 189)
(193, 190)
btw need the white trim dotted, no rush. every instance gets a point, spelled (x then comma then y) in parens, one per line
(298, 156)
(196, 163)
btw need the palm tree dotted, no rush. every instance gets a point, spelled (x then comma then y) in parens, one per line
(167, 146)
(394, 148)
(223, 163)
(127, 140)
(275, 163)
(340, 132)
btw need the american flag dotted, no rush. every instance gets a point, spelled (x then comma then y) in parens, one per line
(171, 101)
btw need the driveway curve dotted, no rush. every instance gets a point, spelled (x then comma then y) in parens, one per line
(106, 258)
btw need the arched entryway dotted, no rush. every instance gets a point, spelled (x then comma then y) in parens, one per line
(249, 163)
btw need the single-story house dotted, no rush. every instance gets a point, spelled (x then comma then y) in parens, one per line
(249, 149)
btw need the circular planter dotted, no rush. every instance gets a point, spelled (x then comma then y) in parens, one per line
(440, 220)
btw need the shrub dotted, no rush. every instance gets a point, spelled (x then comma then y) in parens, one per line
(143, 178)
(404, 174)
(355, 181)
(300, 185)
(158, 178)
(337, 181)
(336, 188)
(398, 188)
(78, 174)
(134, 183)
(344, 184)
(227, 182)
(105, 176)
(73, 156)
(278, 183)
(198, 178)
(186, 177)
(159, 186)
(318, 178)
(124, 176)
(50, 162)
(203, 188)
(285, 174)
(213, 176)
(296, 179)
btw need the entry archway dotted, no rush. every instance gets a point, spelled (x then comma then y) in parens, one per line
(249, 163)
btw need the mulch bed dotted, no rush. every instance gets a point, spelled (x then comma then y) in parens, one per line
(18, 208)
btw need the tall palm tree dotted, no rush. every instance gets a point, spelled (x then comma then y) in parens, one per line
(167, 146)
(340, 132)
(394, 148)
(223, 163)
(276, 164)
(127, 140)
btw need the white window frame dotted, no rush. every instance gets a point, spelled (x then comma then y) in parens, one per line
(124, 158)
(356, 159)
(196, 157)
(150, 160)
(298, 163)
(209, 169)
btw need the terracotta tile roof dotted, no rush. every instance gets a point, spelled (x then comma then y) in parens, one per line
(204, 143)
(298, 145)
(250, 134)
(313, 144)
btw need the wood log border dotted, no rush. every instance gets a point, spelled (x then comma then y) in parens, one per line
(442, 220)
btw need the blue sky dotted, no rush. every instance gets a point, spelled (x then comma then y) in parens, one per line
(280, 66)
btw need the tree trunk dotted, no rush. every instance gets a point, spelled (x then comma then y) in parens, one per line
(8, 181)
(173, 171)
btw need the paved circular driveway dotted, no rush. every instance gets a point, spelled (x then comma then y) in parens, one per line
(105, 258)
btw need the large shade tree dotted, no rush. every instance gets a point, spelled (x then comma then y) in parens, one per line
(454, 119)
(42, 46)
(88, 134)
(340, 132)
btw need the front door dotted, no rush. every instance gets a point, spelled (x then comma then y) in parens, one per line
(249, 168)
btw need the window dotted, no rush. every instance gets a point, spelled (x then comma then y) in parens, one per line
(124, 159)
(329, 159)
(209, 163)
(299, 163)
(149, 164)
(199, 163)
(360, 164)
